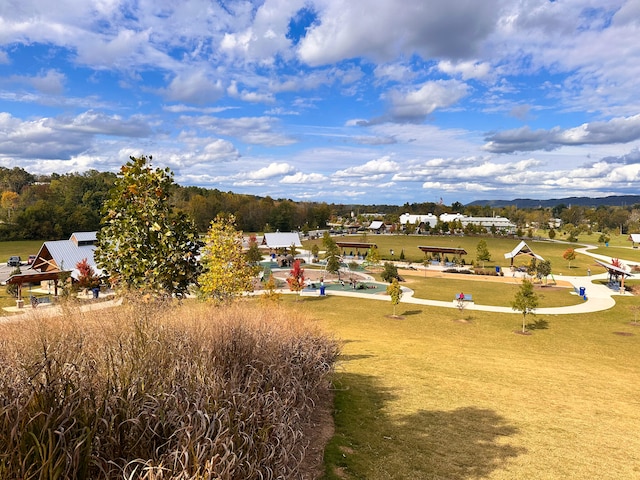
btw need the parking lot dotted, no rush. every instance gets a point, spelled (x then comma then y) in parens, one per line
(5, 271)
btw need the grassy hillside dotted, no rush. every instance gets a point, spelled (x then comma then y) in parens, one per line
(433, 397)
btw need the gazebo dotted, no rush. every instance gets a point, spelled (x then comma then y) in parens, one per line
(522, 249)
(615, 272)
(35, 277)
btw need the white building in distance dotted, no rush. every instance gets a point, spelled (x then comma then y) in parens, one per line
(500, 223)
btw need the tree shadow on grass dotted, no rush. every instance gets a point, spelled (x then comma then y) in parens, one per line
(461, 444)
(411, 312)
(539, 324)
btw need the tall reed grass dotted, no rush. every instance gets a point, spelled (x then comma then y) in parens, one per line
(149, 392)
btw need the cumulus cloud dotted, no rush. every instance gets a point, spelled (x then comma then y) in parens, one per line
(253, 130)
(466, 69)
(304, 178)
(275, 169)
(63, 137)
(195, 87)
(415, 105)
(247, 96)
(452, 29)
(99, 123)
(374, 167)
(266, 36)
(617, 130)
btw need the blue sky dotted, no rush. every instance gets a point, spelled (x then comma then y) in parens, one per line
(351, 101)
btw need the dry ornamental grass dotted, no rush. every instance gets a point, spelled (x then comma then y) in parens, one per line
(149, 392)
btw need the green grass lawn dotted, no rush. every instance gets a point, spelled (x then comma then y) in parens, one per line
(431, 397)
(486, 292)
(22, 248)
(497, 246)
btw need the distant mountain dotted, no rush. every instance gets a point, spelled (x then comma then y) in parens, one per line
(611, 201)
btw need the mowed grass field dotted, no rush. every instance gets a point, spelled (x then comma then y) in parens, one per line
(23, 249)
(497, 246)
(434, 397)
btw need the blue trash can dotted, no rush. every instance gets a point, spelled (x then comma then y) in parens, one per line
(582, 291)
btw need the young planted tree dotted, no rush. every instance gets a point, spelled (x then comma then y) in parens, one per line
(569, 255)
(253, 253)
(296, 277)
(87, 278)
(394, 290)
(331, 254)
(144, 245)
(525, 301)
(482, 252)
(543, 270)
(227, 273)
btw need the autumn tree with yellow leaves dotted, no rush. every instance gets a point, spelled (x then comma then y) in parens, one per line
(227, 273)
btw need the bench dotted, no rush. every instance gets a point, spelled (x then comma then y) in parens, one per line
(35, 301)
(467, 297)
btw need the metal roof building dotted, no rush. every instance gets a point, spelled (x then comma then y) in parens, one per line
(63, 255)
(281, 240)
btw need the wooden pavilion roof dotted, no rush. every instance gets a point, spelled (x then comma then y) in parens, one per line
(35, 277)
(356, 245)
(446, 250)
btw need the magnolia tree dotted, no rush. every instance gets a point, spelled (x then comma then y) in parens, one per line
(227, 273)
(144, 245)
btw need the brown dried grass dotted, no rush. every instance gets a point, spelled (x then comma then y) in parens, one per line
(154, 391)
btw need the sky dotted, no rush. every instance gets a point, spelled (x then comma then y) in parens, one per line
(338, 101)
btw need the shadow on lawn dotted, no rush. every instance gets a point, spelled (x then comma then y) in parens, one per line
(461, 444)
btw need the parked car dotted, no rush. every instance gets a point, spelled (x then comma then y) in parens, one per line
(14, 261)
(31, 259)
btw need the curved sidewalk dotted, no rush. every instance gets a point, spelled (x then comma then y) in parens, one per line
(599, 296)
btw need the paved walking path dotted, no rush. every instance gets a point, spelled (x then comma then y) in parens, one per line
(599, 297)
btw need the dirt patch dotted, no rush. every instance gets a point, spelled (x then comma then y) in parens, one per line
(394, 317)
(520, 332)
(624, 334)
(406, 273)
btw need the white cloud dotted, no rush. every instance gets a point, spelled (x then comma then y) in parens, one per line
(415, 105)
(270, 171)
(466, 70)
(438, 29)
(616, 130)
(196, 87)
(304, 178)
(379, 166)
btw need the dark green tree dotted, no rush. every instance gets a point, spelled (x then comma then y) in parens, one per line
(390, 272)
(254, 256)
(331, 254)
(144, 245)
(482, 252)
(543, 270)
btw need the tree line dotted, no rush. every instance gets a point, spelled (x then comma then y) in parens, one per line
(54, 206)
